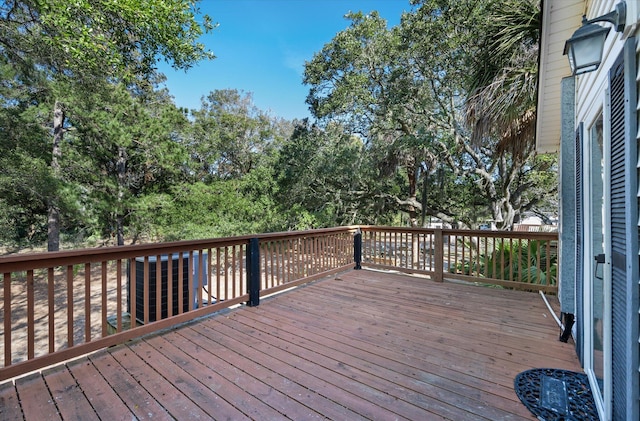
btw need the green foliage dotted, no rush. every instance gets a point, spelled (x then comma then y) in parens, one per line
(403, 89)
(117, 38)
(218, 209)
(326, 177)
(77, 54)
(231, 136)
(523, 261)
(390, 145)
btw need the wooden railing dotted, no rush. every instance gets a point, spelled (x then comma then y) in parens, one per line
(519, 260)
(61, 305)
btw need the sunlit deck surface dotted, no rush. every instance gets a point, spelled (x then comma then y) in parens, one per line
(360, 345)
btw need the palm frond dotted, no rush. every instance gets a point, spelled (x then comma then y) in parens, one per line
(502, 87)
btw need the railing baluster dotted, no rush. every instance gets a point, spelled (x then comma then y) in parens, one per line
(69, 306)
(119, 295)
(335, 247)
(278, 253)
(312, 261)
(519, 261)
(103, 272)
(510, 262)
(158, 283)
(306, 257)
(181, 282)
(51, 308)
(170, 275)
(322, 251)
(195, 297)
(438, 255)
(87, 302)
(486, 256)
(494, 259)
(271, 265)
(227, 278)
(234, 272)
(218, 280)
(538, 262)
(319, 259)
(190, 291)
(289, 259)
(210, 275)
(31, 334)
(449, 252)
(547, 269)
(7, 318)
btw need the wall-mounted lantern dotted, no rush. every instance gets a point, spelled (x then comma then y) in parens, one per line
(585, 46)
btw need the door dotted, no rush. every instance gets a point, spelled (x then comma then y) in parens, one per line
(596, 272)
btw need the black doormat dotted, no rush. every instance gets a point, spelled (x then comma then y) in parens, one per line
(556, 395)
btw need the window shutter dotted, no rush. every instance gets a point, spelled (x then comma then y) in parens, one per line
(579, 245)
(567, 191)
(624, 235)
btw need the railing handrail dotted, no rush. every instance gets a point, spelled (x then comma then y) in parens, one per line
(60, 305)
(38, 260)
(529, 235)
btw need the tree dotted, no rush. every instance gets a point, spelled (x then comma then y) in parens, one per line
(404, 88)
(502, 84)
(231, 135)
(25, 176)
(325, 178)
(82, 43)
(360, 79)
(126, 145)
(232, 147)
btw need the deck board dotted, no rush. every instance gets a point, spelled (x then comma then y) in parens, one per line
(9, 403)
(360, 345)
(35, 399)
(68, 397)
(99, 393)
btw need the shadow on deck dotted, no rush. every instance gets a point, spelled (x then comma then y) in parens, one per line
(360, 345)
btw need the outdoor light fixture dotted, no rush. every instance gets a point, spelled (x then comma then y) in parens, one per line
(585, 46)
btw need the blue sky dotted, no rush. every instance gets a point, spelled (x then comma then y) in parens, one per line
(261, 47)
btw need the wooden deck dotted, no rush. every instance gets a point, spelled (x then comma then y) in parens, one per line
(362, 345)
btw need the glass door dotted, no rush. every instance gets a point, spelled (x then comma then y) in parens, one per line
(596, 268)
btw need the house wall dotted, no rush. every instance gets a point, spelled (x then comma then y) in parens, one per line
(589, 104)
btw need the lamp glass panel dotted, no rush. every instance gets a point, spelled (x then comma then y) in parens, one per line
(587, 52)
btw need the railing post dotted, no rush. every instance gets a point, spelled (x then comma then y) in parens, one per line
(357, 249)
(438, 245)
(253, 272)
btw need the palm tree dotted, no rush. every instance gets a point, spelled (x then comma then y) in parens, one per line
(502, 86)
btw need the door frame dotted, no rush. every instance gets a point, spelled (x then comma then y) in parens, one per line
(602, 400)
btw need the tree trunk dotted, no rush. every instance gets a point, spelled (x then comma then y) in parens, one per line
(53, 219)
(121, 168)
(411, 175)
(423, 213)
